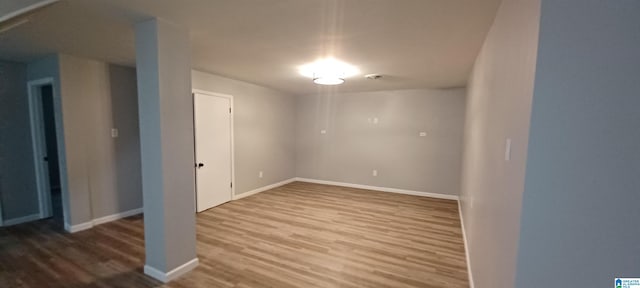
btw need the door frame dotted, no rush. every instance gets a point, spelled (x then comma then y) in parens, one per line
(233, 169)
(39, 146)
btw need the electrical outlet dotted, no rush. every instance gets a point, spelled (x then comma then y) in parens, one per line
(114, 132)
(423, 134)
(260, 174)
(374, 173)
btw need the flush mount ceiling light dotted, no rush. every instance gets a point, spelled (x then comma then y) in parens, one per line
(328, 80)
(328, 71)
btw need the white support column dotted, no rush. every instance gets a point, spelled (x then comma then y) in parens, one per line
(166, 139)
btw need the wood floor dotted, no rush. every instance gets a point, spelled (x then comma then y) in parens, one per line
(298, 235)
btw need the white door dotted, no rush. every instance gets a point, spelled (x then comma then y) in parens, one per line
(212, 117)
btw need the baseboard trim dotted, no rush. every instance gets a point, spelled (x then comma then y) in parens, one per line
(19, 220)
(466, 245)
(264, 188)
(78, 227)
(173, 274)
(116, 216)
(101, 220)
(382, 189)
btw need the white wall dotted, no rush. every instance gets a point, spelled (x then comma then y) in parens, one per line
(499, 103)
(264, 127)
(354, 144)
(580, 210)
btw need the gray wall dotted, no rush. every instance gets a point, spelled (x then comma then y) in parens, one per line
(90, 110)
(580, 212)
(264, 127)
(18, 192)
(126, 149)
(499, 103)
(82, 85)
(102, 173)
(166, 140)
(354, 145)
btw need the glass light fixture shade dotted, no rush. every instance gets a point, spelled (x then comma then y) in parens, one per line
(328, 71)
(328, 80)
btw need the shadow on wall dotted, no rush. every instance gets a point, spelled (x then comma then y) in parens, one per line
(18, 194)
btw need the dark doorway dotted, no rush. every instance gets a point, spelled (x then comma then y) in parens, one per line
(49, 125)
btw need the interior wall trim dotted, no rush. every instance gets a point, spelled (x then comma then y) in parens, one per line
(466, 245)
(95, 222)
(116, 216)
(20, 220)
(173, 274)
(262, 189)
(382, 189)
(26, 9)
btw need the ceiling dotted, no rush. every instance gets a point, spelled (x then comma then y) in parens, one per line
(413, 43)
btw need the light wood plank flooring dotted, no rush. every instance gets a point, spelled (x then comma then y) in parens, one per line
(298, 235)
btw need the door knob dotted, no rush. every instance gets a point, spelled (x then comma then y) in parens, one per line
(200, 165)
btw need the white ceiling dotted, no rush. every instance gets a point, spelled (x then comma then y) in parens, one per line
(414, 43)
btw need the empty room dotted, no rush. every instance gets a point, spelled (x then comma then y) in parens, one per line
(319, 143)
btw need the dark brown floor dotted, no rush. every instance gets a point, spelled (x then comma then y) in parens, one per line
(298, 235)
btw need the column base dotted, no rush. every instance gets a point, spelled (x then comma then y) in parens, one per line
(165, 277)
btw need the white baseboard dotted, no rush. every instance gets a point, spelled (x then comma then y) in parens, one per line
(262, 189)
(466, 245)
(173, 274)
(20, 220)
(78, 227)
(101, 220)
(116, 216)
(382, 189)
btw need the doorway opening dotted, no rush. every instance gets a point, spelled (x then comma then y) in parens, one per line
(45, 136)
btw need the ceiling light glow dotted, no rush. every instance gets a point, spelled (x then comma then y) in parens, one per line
(328, 71)
(328, 80)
